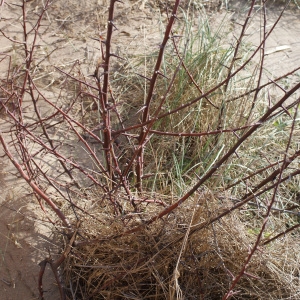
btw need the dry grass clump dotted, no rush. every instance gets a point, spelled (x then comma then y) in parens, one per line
(173, 259)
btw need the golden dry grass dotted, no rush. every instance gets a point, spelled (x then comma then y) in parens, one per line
(171, 259)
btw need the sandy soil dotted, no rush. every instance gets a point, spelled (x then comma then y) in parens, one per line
(26, 236)
(283, 45)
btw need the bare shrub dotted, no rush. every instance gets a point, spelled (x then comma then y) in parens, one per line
(171, 181)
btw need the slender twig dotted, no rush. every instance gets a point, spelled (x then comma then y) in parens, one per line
(269, 209)
(281, 233)
(206, 94)
(35, 188)
(146, 112)
(238, 44)
(219, 163)
(55, 265)
(262, 58)
(200, 133)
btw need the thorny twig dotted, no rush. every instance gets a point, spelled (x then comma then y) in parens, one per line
(55, 265)
(33, 185)
(110, 175)
(146, 112)
(272, 201)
